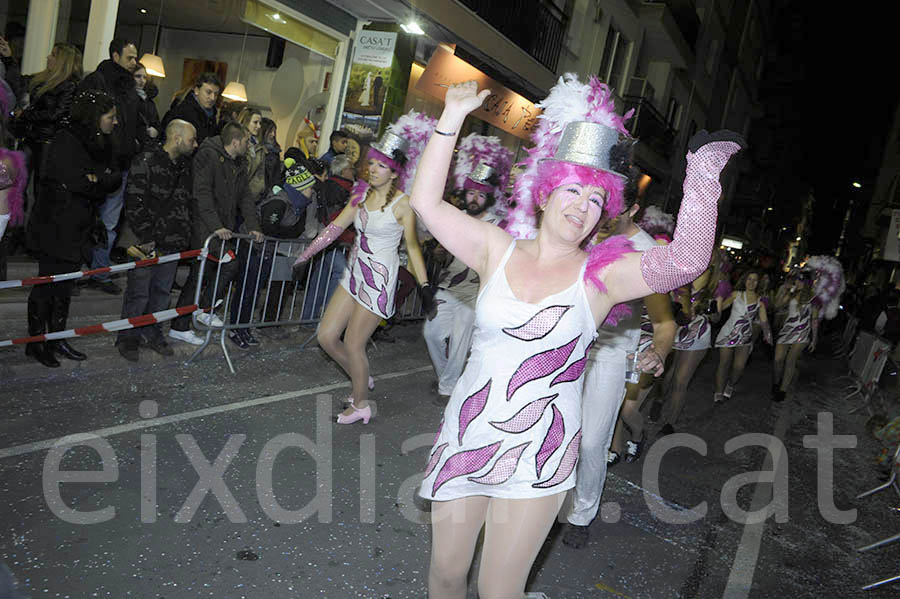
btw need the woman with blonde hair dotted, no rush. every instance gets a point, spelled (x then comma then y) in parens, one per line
(251, 119)
(51, 92)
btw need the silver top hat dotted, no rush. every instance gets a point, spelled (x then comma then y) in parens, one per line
(482, 173)
(587, 144)
(391, 142)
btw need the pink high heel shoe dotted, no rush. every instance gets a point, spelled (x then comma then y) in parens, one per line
(364, 414)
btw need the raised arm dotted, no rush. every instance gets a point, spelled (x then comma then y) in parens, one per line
(467, 238)
(663, 268)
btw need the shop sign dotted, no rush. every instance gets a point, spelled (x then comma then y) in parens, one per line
(373, 57)
(503, 108)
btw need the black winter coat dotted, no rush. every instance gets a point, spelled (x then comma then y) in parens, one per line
(118, 82)
(189, 110)
(148, 116)
(41, 120)
(221, 190)
(68, 203)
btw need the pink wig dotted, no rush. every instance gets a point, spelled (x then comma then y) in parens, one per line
(374, 154)
(358, 193)
(554, 173)
(17, 190)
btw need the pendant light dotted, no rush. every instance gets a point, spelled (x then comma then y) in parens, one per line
(152, 62)
(235, 90)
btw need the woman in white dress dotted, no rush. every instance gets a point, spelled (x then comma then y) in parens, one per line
(735, 339)
(508, 446)
(382, 216)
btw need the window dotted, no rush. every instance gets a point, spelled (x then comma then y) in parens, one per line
(673, 114)
(615, 58)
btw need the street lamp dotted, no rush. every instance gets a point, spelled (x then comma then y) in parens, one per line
(856, 184)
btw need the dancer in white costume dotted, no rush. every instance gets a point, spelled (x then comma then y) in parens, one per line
(735, 338)
(480, 173)
(508, 446)
(382, 216)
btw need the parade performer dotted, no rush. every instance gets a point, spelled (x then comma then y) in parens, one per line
(799, 331)
(698, 307)
(735, 338)
(381, 213)
(13, 174)
(507, 449)
(607, 409)
(479, 178)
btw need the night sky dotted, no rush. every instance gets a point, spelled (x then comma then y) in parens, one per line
(835, 86)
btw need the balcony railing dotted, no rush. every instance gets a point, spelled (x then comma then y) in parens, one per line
(649, 125)
(536, 26)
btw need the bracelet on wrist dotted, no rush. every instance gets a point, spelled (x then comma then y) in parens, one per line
(444, 133)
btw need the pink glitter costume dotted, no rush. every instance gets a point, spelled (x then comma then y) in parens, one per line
(512, 427)
(371, 275)
(738, 330)
(796, 328)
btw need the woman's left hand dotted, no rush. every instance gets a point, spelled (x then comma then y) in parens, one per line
(650, 361)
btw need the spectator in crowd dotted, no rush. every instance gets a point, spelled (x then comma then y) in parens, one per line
(11, 73)
(158, 213)
(222, 193)
(51, 92)
(273, 168)
(64, 226)
(337, 145)
(147, 113)
(198, 107)
(115, 77)
(251, 119)
(308, 138)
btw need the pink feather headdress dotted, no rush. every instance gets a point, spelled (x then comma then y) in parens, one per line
(830, 285)
(569, 101)
(415, 127)
(475, 149)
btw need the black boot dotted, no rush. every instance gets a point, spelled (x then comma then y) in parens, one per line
(58, 318)
(38, 319)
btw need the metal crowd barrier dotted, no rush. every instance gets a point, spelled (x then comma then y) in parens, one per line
(867, 362)
(891, 482)
(263, 271)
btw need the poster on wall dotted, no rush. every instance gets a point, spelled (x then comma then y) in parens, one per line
(891, 249)
(373, 57)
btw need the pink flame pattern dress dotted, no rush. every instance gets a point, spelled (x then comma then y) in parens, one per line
(695, 335)
(512, 427)
(739, 328)
(371, 275)
(796, 327)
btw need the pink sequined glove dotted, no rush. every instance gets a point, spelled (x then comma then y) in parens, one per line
(671, 266)
(321, 242)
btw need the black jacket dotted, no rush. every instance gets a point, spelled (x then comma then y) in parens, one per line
(118, 82)
(158, 200)
(148, 116)
(189, 110)
(41, 120)
(221, 190)
(14, 79)
(66, 209)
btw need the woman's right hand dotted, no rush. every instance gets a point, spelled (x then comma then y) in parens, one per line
(463, 98)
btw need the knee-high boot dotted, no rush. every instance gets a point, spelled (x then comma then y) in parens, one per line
(58, 318)
(38, 324)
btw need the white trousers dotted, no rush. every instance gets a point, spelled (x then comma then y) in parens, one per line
(448, 337)
(604, 391)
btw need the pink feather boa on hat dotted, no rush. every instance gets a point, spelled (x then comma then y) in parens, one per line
(17, 190)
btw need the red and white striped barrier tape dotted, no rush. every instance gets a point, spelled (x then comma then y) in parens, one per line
(204, 253)
(106, 327)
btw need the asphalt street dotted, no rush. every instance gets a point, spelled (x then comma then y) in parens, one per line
(199, 483)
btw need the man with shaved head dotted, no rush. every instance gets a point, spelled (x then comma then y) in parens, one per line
(158, 215)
